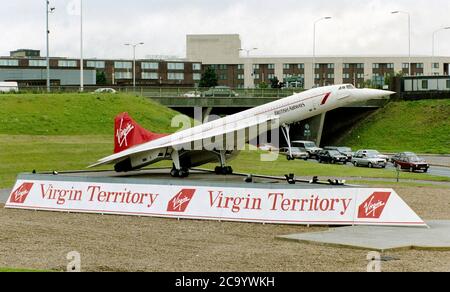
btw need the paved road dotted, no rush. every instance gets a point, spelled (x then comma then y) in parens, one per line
(4, 195)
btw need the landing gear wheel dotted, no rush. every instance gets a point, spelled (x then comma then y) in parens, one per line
(175, 173)
(183, 173)
(223, 170)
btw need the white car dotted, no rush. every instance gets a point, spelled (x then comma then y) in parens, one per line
(296, 153)
(368, 159)
(375, 153)
(106, 90)
(192, 94)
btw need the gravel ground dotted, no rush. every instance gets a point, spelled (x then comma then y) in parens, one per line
(41, 240)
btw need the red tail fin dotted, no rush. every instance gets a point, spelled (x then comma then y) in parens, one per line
(128, 133)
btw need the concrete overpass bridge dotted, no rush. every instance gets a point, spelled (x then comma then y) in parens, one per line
(324, 129)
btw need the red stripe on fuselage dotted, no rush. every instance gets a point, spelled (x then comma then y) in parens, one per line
(325, 99)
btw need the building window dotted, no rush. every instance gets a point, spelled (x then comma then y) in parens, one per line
(390, 66)
(360, 66)
(197, 76)
(330, 76)
(285, 76)
(256, 76)
(241, 67)
(301, 66)
(286, 66)
(317, 66)
(271, 66)
(317, 76)
(38, 63)
(376, 66)
(346, 76)
(123, 75)
(240, 77)
(123, 65)
(223, 77)
(150, 65)
(9, 63)
(96, 64)
(330, 66)
(255, 66)
(346, 66)
(65, 63)
(360, 76)
(175, 66)
(150, 75)
(405, 66)
(419, 65)
(196, 67)
(448, 84)
(175, 76)
(435, 65)
(241, 86)
(424, 84)
(271, 76)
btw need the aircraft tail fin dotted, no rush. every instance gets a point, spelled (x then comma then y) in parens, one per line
(128, 133)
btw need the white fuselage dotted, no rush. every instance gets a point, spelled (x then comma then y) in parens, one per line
(289, 110)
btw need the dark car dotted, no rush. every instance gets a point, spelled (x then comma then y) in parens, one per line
(346, 151)
(410, 161)
(331, 156)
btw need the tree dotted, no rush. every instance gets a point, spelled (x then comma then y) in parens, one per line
(275, 83)
(101, 78)
(263, 85)
(209, 78)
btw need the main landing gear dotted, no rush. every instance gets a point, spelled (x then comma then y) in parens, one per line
(177, 170)
(286, 132)
(223, 169)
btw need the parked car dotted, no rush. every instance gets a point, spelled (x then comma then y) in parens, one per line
(331, 156)
(375, 153)
(346, 151)
(220, 91)
(409, 160)
(192, 94)
(369, 159)
(106, 90)
(297, 153)
(309, 146)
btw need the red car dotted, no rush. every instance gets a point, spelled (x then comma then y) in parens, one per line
(409, 160)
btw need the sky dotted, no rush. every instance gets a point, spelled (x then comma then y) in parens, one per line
(276, 28)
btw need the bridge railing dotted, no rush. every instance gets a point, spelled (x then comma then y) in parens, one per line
(159, 92)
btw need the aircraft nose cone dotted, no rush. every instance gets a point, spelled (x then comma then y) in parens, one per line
(378, 94)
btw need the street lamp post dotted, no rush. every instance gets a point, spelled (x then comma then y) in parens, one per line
(248, 59)
(314, 49)
(134, 62)
(433, 47)
(47, 34)
(81, 48)
(409, 38)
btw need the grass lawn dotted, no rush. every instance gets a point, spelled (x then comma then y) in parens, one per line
(11, 270)
(418, 126)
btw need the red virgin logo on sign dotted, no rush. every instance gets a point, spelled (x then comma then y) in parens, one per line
(374, 206)
(181, 201)
(20, 195)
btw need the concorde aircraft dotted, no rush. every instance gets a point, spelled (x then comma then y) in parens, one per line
(215, 141)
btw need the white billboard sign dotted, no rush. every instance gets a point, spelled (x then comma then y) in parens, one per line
(315, 206)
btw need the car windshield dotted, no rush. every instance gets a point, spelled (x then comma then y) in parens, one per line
(345, 149)
(414, 158)
(310, 145)
(334, 152)
(373, 152)
(371, 155)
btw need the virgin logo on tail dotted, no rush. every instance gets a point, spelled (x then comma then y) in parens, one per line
(374, 206)
(181, 201)
(20, 195)
(122, 134)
